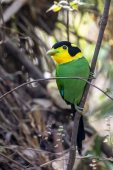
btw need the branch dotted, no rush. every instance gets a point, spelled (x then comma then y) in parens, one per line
(12, 160)
(68, 24)
(72, 154)
(53, 78)
(12, 9)
(83, 157)
(3, 40)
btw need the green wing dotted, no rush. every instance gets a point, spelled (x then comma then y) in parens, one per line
(59, 85)
(71, 89)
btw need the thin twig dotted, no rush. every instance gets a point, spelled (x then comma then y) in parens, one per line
(3, 40)
(72, 155)
(12, 160)
(36, 150)
(53, 78)
(25, 159)
(79, 157)
(14, 31)
(4, 119)
(68, 23)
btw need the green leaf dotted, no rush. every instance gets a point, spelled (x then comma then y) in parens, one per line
(110, 140)
(13, 16)
(97, 145)
(108, 90)
(1, 148)
(60, 130)
(54, 8)
(74, 5)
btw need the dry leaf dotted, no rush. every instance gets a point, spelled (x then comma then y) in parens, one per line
(31, 141)
(30, 154)
(25, 129)
(32, 120)
(45, 103)
(39, 118)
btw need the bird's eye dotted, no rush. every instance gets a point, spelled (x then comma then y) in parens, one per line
(64, 47)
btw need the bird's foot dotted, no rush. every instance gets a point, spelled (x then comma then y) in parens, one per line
(79, 109)
(91, 75)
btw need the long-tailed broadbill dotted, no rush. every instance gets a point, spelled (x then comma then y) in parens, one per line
(71, 63)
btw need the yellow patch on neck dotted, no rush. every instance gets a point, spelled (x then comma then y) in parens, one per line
(61, 58)
(73, 45)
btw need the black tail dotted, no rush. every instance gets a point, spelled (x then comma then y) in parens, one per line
(81, 132)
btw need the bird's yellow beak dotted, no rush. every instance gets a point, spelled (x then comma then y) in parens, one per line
(52, 52)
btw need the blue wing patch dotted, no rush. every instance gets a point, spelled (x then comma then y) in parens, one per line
(62, 92)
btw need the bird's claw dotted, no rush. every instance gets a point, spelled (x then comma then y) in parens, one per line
(79, 109)
(92, 75)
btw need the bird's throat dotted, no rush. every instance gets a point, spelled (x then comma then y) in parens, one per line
(64, 58)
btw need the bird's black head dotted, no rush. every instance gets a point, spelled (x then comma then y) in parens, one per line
(64, 51)
(72, 49)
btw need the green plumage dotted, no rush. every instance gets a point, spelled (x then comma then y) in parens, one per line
(72, 88)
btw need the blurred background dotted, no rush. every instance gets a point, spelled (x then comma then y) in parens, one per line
(35, 123)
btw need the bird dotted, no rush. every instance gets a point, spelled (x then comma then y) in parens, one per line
(71, 63)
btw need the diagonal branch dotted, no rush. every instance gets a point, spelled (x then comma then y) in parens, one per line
(72, 154)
